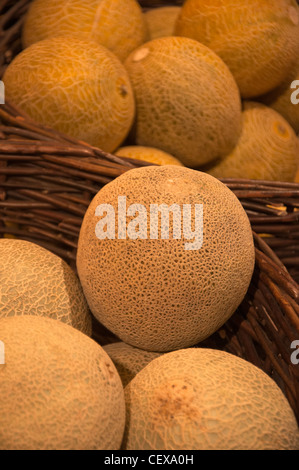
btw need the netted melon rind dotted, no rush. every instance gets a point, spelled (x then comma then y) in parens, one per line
(187, 101)
(34, 281)
(266, 150)
(203, 399)
(155, 294)
(118, 25)
(257, 39)
(148, 154)
(128, 360)
(161, 21)
(59, 389)
(74, 86)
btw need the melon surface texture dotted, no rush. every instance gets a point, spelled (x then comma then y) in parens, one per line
(267, 149)
(161, 21)
(128, 360)
(118, 25)
(74, 86)
(59, 389)
(187, 101)
(204, 399)
(34, 281)
(257, 39)
(154, 293)
(284, 100)
(148, 154)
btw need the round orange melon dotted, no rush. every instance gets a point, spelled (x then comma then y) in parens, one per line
(148, 154)
(59, 389)
(285, 100)
(204, 399)
(267, 149)
(187, 102)
(34, 281)
(118, 25)
(75, 86)
(162, 283)
(257, 39)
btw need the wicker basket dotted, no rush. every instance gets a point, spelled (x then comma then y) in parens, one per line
(48, 179)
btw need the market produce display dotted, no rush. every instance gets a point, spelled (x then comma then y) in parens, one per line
(131, 133)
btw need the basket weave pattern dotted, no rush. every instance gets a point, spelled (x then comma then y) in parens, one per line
(47, 181)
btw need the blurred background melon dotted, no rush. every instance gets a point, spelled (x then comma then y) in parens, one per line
(267, 149)
(118, 25)
(257, 39)
(74, 86)
(187, 101)
(148, 154)
(128, 360)
(161, 21)
(281, 99)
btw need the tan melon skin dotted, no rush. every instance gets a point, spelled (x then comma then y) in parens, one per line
(161, 21)
(34, 281)
(59, 389)
(257, 39)
(267, 149)
(148, 154)
(154, 294)
(118, 25)
(187, 101)
(75, 86)
(280, 100)
(203, 399)
(128, 360)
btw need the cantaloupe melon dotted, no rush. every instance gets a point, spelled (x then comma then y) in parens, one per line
(187, 101)
(77, 87)
(59, 389)
(156, 292)
(161, 21)
(128, 360)
(284, 100)
(118, 25)
(257, 39)
(34, 281)
(204, 399)
(148, 154)
(267, 149)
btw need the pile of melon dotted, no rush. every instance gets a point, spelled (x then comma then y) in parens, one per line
(180, 80)
(165, 253)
